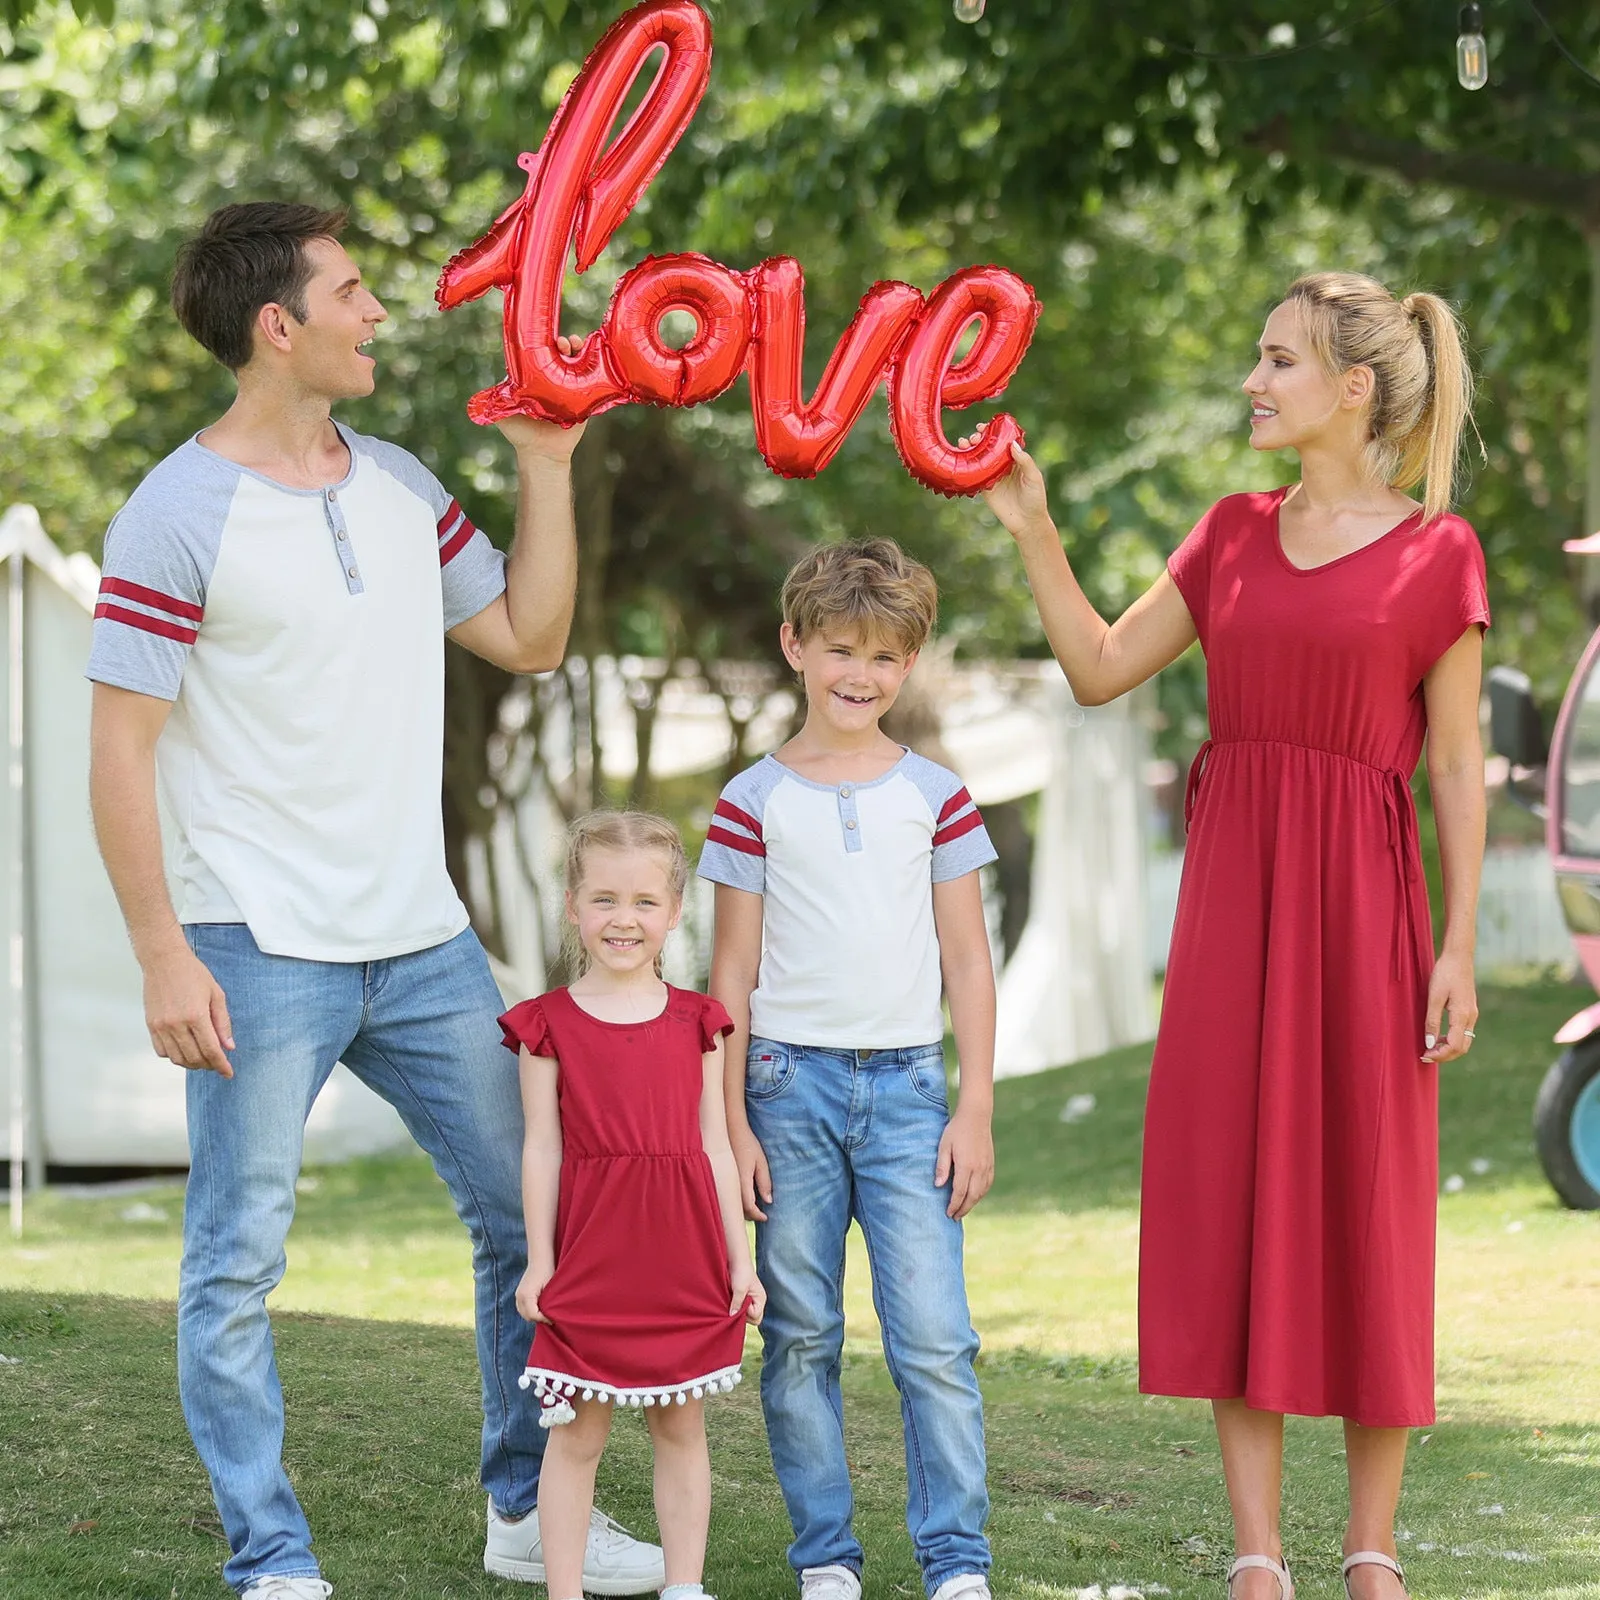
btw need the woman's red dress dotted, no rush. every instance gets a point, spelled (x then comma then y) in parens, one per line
(1291, 1139)
(638, 1302)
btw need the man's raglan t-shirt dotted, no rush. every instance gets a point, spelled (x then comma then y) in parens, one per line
(850, 955)
(299, 634)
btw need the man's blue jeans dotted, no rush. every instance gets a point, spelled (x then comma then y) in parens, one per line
(420, 1030)
(855, 1134)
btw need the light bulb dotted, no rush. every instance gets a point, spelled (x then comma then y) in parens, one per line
(968, 10)
(1472, 51)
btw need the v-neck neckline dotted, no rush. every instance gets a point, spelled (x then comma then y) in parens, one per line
(1349, 555)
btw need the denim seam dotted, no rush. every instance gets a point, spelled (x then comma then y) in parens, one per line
(913, 1440)
(503, 1443)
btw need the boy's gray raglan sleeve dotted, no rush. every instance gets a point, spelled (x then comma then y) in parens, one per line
(961, 843)
(736, 851)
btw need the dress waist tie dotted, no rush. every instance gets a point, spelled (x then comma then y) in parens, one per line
(1400, 816)
(1191, 790)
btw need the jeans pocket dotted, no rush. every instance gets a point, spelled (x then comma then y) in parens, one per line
(768, 1069)
(926, 1072)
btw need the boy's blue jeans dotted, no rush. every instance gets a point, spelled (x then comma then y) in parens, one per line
(855, 1134)
(420, 1030)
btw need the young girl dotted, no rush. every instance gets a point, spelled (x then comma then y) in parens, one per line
(1291, 1138)
(639, 1273)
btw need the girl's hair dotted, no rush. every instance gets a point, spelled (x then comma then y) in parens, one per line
(1422, 395)
(620, 830)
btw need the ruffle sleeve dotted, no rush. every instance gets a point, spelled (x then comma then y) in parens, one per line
(526, 1024)
(715, 1023)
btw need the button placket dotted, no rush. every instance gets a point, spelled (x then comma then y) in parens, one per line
(849, 817)
(343, 547)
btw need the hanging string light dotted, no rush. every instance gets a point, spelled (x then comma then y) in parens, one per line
(1472, 50)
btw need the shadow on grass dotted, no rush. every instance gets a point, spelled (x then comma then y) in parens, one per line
(100, 1494)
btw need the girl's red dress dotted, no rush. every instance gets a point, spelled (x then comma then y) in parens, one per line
(638, 1302)
(1291, 1139)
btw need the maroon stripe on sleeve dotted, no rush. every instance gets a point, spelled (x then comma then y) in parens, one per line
(447, 521)
(735, 841)
(959, 801)
(152, 597)
(138, 619)
(457, 543)
(965, 825)
(734, 814)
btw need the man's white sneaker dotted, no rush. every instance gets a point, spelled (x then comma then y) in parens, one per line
(274, 1588)
(964, 1586)
(829, 1583)
(614, 1562)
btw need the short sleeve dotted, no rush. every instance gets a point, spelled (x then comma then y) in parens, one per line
(715, 1023)
(472, 571)
(1190, 566)
(735, 851)
(1458, 581)
(961, 843)
(526, 1024)
(160, 552)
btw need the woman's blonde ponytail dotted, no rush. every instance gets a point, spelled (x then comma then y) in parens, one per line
(1422, 397)
(1432, 448)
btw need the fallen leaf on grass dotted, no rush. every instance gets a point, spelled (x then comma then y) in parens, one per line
(83, 1527)
(1477, 1475)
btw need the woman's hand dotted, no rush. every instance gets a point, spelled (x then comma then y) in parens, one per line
(1019, 499)
(748, 1293)
(1451, 990)
(531, 1287)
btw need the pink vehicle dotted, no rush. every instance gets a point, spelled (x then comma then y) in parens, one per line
(1562, 783)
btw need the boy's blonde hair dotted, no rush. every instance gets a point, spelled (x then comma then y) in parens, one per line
(870, 584)
(1414, 346)
(619, 830)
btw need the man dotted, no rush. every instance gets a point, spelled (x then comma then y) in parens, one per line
(268, 648)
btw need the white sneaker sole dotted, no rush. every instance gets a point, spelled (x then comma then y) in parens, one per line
(533, 1572)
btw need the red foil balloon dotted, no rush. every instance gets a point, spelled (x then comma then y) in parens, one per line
(580, 189)
(575, 192)
(797, 439)
(927, 378)
(712, 359)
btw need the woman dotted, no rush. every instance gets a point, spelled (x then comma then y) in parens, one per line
(1290, 1161)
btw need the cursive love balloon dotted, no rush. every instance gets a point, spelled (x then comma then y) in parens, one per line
(580, 189)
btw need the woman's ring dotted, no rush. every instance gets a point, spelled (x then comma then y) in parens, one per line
(1469, 1033)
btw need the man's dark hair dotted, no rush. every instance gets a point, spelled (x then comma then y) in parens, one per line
(245, 257)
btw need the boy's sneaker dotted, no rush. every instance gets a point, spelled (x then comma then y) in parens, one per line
(275, 1588)
(964, 1586)
(829, 1583)
(614, 1562)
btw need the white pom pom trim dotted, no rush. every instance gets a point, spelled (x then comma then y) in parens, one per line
(554, 1387)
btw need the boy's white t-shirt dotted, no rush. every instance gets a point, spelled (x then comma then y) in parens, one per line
(850, 955)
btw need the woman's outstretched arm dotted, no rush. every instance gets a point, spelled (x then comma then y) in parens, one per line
(1101, 659)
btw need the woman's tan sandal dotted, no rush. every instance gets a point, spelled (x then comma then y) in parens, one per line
(1370, 1558)
(1279, 1569)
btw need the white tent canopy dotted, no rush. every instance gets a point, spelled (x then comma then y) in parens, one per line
(79, 1067)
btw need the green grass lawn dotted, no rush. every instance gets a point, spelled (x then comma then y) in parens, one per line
(1093, 1484)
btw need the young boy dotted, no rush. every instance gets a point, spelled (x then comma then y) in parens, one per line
(847, 888)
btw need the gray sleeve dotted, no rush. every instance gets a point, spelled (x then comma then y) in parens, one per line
(961, 843)
(160, 551)
(472, 572)
(735, 851)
